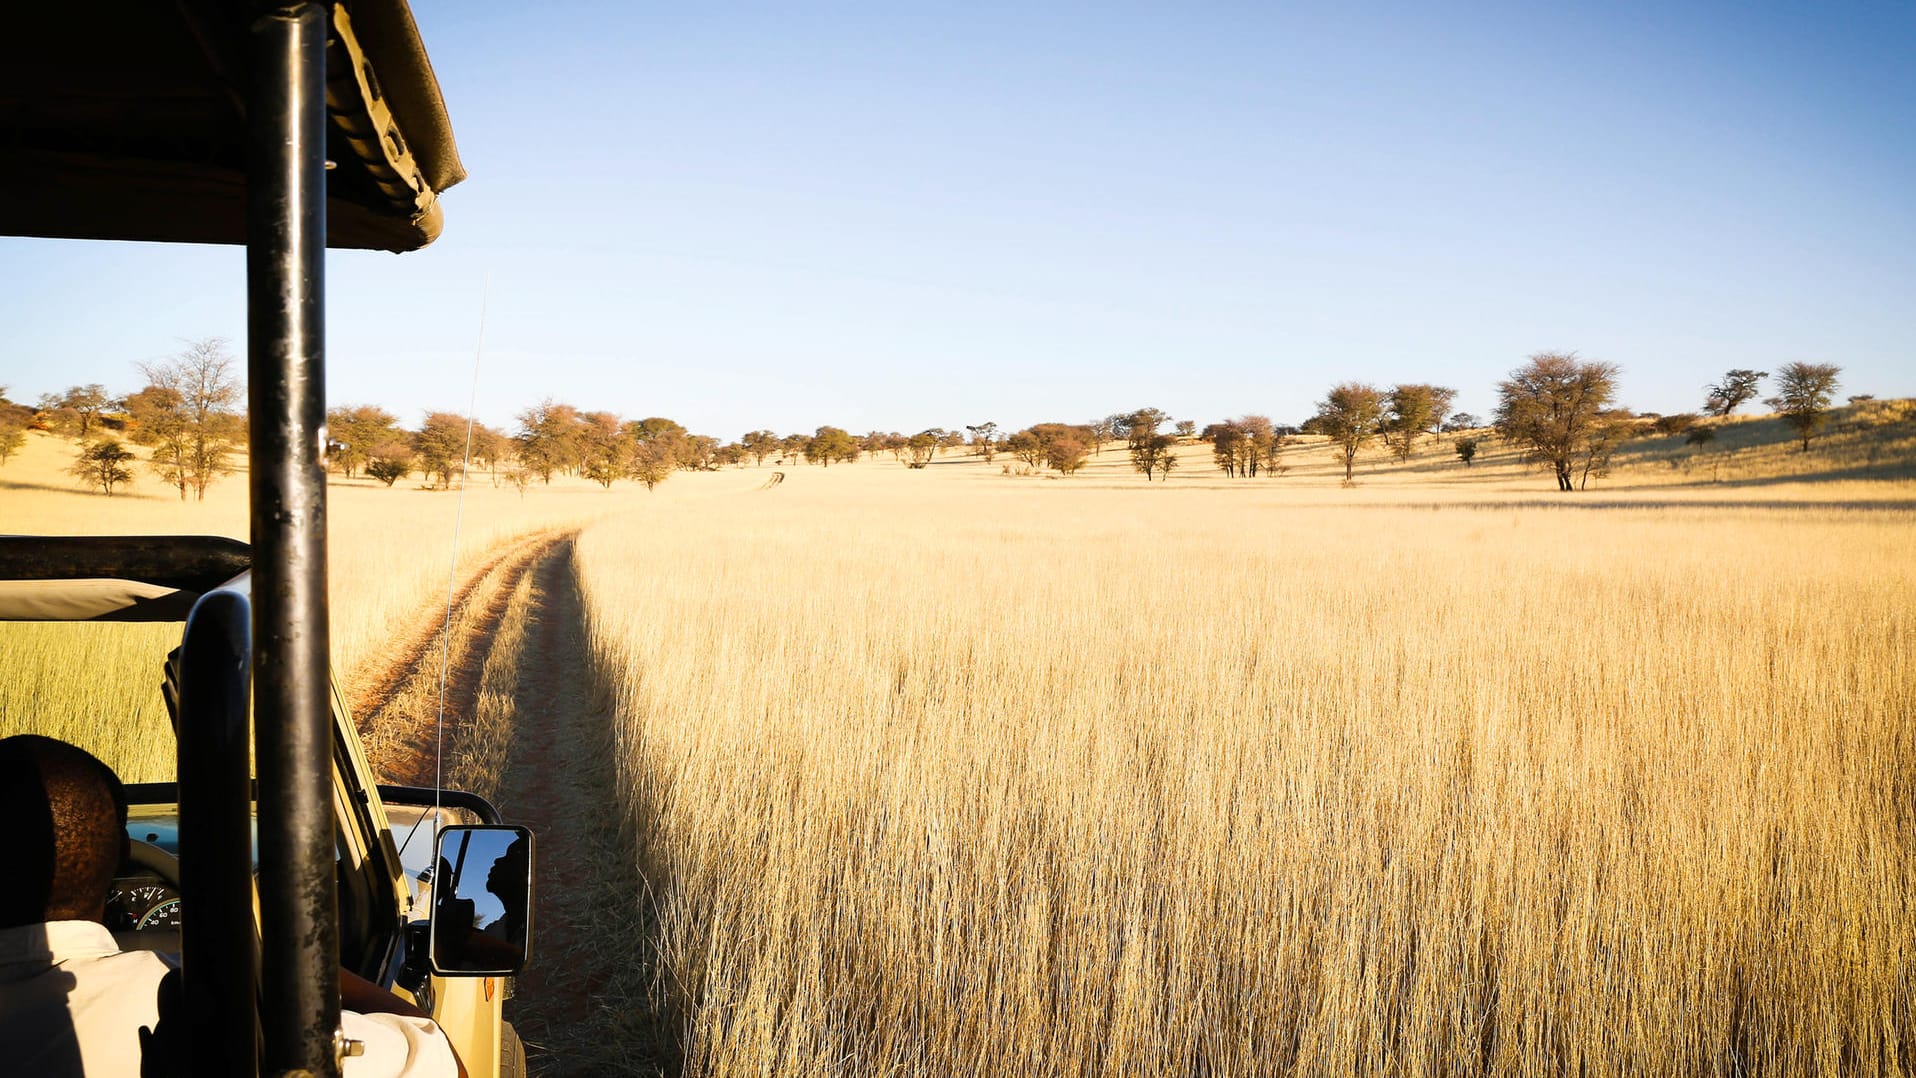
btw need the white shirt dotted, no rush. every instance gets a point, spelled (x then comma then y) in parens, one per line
(73, 1003)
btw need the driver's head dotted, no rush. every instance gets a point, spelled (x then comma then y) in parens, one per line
(66, 812)
(506, 879)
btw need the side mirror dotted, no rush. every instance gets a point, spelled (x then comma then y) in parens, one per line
(482, 901)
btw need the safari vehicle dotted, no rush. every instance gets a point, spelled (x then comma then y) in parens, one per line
(406, 917)
(270, 861)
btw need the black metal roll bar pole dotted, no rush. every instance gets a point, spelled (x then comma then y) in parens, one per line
(285, 353)
(220, 972)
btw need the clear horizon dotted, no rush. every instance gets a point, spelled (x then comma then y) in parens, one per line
(896, 220)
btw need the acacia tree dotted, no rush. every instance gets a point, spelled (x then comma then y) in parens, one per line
(1224, 438)
(87, 402)
(699, 452)
(1151, 451)
(668, 438)
(1069, 457)
(160, 422)
(921, 447)
(760, 444)
(192, 420)
(1156, 419)
(1102, 431)
(794, 446)
(1026, 447)
(829, 445)
(1552, 407)
(985, 437)
(1243, 446)
(604, 449)
(488, 449)
(548, 438)
(354, 431)
(1466, 450)
(103, 464)
(1350, 415)
(1803, 394)
(1736, 387)
(390, 462)
(441, 446)
(653, 462)
(1066, 452)
(1411, 410)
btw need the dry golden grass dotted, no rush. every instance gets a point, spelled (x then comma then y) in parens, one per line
(944, 772)
(97, 684)
(955, 772)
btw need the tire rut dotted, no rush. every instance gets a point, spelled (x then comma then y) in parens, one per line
(395, 706)
(584, 1004)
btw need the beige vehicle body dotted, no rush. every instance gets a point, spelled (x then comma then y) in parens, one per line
(384, 849)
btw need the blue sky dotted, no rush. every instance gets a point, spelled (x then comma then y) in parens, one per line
(897, 217)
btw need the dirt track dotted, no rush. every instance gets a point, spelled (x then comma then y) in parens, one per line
(580, 1007)
(395, 704)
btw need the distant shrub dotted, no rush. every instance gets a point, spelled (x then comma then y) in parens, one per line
(1700, 436)
(12, 436)
(1675, 424)
(389, 469)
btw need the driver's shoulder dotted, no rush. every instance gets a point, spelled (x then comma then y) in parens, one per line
(86, 949)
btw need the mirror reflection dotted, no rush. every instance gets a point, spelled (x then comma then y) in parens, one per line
(482, 900)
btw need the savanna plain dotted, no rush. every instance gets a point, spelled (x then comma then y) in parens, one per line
(954, 771)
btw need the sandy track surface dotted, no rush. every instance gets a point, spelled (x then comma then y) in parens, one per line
(582, 1006)
(395, 704)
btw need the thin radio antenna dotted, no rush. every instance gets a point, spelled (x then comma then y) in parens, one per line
(452, 574)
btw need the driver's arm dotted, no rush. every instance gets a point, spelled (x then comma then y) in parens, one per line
(356, 993)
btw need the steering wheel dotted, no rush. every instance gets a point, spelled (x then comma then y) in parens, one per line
(155, 860)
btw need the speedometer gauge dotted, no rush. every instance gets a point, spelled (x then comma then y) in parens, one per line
(160, 906)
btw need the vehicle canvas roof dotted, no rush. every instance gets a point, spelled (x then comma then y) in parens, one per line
(124, 120)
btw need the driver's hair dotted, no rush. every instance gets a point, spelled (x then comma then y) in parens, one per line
(66, 812)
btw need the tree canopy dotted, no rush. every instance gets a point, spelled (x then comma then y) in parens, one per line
(1552, 405)
(1410, 411)
(189, 414)
(1736, 387)
(1350, 415)
(1803, 395)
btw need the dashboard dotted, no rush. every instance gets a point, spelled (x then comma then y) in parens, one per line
(142, 902)
(141, 899)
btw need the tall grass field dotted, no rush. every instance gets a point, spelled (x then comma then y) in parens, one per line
(974, 770)
(939, 774)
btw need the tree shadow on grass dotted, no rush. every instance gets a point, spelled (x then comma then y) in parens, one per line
(75, 490)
